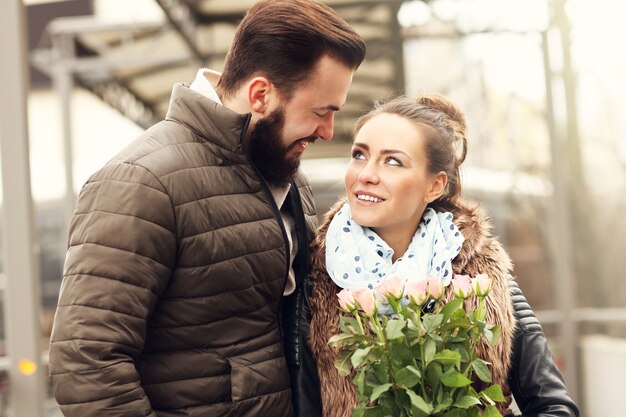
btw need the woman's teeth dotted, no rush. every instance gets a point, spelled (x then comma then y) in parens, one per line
(369, 198)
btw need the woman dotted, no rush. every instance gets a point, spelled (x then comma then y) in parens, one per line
(403, 216)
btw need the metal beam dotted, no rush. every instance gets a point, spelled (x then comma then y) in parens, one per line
(182, 19)
(62, 80)
(584, 315)
(561, 250)
(22, 294)
(123, 99)
(95, 74)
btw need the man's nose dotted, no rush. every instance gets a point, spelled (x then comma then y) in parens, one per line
(325, 130)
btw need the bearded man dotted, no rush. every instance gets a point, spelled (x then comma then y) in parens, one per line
(184, 248)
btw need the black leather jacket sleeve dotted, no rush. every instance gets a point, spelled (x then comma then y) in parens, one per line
(534, 379)
(305, 384)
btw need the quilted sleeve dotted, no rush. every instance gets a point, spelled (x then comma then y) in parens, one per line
(534, 379)
(122, 249)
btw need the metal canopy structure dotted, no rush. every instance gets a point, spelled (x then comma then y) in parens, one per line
(132, 67)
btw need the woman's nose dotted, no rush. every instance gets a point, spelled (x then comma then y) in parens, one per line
(368, 174)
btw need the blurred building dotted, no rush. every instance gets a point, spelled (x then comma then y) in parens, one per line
(547, 146)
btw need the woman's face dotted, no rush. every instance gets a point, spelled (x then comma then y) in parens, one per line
(387, 180)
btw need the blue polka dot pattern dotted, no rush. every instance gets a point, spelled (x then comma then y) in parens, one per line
(359, 258)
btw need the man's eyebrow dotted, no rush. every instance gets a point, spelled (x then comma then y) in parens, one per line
(330, 107)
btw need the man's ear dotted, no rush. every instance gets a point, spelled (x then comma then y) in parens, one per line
(259, 95)
(437, 186)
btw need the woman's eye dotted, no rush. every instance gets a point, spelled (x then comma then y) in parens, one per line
(394, 161)
(358, 155)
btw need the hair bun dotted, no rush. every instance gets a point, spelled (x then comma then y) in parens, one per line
(455, 119)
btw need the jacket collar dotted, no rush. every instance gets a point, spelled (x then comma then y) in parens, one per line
(208, 119)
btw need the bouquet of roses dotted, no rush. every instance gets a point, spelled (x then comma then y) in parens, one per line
(413, 355)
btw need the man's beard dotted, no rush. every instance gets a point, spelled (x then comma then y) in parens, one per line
(268, 153)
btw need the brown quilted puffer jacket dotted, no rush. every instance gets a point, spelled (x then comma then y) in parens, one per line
(174, 277)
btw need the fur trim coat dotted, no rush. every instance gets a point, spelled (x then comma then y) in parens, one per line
(481, 253)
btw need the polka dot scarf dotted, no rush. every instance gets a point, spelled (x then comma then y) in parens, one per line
(356, 257)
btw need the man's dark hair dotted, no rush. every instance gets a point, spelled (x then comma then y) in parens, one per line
(283, 40)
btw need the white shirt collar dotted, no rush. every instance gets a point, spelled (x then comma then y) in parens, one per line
(203, 84)
(280, 193)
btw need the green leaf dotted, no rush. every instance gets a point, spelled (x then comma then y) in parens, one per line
(359, 356)
(430, 348)
(433, 375)
(494, 392)
(413, 330)
(359, 411)
(342, 339)
(394, 327)
(432, 321)
(451, 306)
(435, 337)
(401, 355)
(481, 369)
(495, 332)
(466, 401)
(472, 412)
(491, 411)
(379, 390)
(462, 349)
(342, 362)
(455, 413)
(452, 378)
(457, 339)
(349, 325)
(359, 381)
(378, 376)
(445, 402)
(401, 399)
(481, 313)
(448, 357)
(419, 403)
(408, 377)
(373, 412)
(461, 323)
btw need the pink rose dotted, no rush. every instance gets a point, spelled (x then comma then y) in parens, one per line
(435, 287)
(416, 290)
(365, 299)
(462, 286)
(481, 285)
(391, 287)
(346, 299)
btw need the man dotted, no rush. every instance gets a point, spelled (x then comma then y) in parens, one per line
(184, 245)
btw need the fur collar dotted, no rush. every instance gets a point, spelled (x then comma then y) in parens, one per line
(481, 253)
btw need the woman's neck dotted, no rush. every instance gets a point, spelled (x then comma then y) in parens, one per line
(399, 241)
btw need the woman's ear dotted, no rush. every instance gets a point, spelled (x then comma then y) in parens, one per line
(259, 92)
(437, 186)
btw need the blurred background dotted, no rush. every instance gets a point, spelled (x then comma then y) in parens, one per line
(542, 82)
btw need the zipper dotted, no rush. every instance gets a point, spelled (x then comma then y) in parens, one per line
(281, 224)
